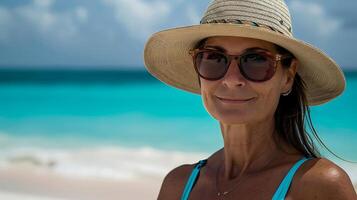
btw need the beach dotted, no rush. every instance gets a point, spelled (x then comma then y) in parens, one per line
(30, 180)
(122, 174)
(27, 183)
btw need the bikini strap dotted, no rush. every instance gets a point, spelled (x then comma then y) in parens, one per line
(192, 180)
(285, 184)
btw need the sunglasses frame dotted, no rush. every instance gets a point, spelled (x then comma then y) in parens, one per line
(274, 58)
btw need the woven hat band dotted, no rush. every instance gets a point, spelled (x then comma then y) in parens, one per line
(271, 14)
(236, 21)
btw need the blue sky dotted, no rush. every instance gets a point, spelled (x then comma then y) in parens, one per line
(112, 33)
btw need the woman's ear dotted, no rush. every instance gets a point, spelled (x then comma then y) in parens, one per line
(290, 75)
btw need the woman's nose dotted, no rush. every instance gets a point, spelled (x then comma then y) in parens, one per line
(233, 77)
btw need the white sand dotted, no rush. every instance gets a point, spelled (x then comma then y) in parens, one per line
(16, 196)
(28, 183)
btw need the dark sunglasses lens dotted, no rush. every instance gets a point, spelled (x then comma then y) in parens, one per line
(257, 66)
(210, 64)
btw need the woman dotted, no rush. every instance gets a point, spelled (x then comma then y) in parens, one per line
(257, 80)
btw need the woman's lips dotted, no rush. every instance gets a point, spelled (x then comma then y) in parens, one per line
(226, 100)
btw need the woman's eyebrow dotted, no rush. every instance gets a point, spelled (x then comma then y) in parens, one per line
(225, 51)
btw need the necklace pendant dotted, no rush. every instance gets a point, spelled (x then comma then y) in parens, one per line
(222, 193)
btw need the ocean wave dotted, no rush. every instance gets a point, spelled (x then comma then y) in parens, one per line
(102, 162)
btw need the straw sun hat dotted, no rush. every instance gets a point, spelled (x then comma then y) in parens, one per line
(166, 53)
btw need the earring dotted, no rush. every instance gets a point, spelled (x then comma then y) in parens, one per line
(286, 93)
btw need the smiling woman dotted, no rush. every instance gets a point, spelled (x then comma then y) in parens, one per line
(258, 81)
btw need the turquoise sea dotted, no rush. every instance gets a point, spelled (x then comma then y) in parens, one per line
(69, 118)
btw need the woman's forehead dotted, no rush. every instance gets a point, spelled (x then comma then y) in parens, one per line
(234, 44)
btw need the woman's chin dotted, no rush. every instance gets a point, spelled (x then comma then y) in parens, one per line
(236, 122)
(233, 119)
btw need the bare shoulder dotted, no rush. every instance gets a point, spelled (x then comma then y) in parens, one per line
(174, 182)
(320, 178)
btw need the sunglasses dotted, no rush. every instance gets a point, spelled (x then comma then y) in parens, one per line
(255, 64)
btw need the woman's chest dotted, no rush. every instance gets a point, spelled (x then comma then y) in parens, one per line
(261, 186)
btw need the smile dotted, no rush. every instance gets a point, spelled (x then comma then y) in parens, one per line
(235, 101)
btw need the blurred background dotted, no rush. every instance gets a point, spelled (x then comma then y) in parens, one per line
(80, 118)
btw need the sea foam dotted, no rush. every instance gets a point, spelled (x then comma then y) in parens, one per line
(102, 162)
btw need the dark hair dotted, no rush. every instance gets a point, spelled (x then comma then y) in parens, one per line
(292, 113)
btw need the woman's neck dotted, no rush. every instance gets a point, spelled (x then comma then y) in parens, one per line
(248, 148)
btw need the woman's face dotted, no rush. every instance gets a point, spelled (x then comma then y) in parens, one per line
(264, 95)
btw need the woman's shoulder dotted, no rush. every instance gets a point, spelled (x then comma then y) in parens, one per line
(175, 181)
(321, 178)
(180, 173)
(324, 171)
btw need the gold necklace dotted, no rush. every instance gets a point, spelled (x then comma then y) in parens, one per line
(221, 195)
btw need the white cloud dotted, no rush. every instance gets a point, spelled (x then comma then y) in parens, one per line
(43, 20)
(82, 14)
(38, 14)
(314, 18)
(140, 17)
(43, 3)
(317, 23)
(82, 32)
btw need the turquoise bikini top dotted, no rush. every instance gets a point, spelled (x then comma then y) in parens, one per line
(278, 195)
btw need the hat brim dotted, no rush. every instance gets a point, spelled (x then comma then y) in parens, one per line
(166, 57)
